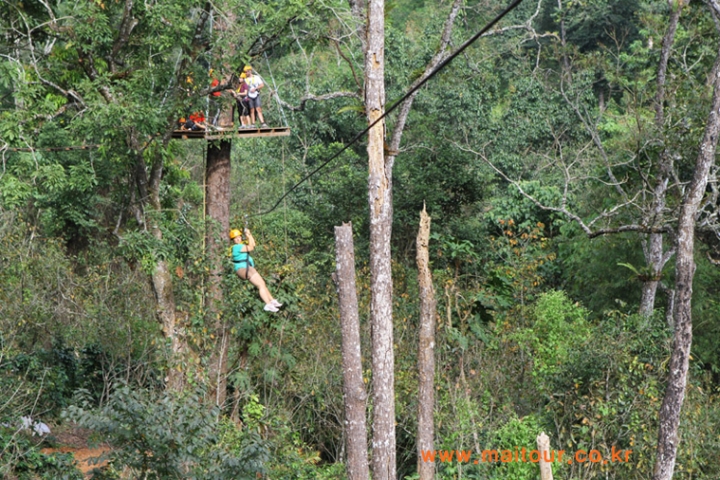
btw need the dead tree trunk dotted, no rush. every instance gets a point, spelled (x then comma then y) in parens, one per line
(684, 273)
(217, 210)
(354, 394)
(426, 350)
(380, 201)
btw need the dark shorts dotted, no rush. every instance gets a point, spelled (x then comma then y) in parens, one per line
(245, 273)
(190, 125)
(254, 102)
(243, 109)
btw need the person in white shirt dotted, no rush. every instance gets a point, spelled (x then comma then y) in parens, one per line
(254, 83)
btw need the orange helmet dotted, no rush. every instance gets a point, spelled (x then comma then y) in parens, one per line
(235, 233)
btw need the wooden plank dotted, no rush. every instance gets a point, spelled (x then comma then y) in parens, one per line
(187, 134)
(251, 132)
(222, 134)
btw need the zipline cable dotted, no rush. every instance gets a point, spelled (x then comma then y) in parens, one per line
(357, 137)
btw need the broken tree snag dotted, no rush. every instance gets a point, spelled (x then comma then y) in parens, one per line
(684, 272)
(355, 396)
(543, 444)
(217, 210)
(426, 350)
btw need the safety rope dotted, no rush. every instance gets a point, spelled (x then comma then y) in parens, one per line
(208, 122)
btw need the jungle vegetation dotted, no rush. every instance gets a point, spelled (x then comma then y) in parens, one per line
(554, 155)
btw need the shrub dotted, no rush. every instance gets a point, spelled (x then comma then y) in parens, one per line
(166, 436)
(20, 458)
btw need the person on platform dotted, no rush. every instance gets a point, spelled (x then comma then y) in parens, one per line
(215, 106)
(194, 123)
(242, 100)
(255, 84)
(245, 267)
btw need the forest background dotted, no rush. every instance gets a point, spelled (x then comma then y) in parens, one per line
(546, 123)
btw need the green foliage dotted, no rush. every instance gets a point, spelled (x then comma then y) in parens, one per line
(523, 211)
(516, 434)
(21, 459)
(609, 390)
(596, 23)
(590, 269)
(162, 436)
(559, 327)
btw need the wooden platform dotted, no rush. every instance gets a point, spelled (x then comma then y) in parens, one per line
(217, 133)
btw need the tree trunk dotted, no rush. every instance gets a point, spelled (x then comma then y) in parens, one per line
(354, 394)
(217, 210)
(161, 278)
(380, 201)
(426, 350)
(655, 258)
(684, 272)
(163, 288)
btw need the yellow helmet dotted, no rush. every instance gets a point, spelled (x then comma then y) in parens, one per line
(242, 75)
(235, 233)
(247, 68)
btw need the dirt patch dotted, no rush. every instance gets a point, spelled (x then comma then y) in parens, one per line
(70, 435)
(84, 457)
(71, 438)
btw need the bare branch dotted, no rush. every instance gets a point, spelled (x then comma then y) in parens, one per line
(522, 191)
(315, 98)
(630, 228)
(347, 60)
(586, 227)
(592, 131)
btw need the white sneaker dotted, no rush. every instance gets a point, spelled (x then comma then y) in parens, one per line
(276, 304)
(269, 307)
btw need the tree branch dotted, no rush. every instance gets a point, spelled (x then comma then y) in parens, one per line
(127, 25)
(586, 227)
(441, 55)
(315, 98)
(347, 60)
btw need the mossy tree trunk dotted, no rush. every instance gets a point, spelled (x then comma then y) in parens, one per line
(217, 211)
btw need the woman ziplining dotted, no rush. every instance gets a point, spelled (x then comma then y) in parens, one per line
(245, 267)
